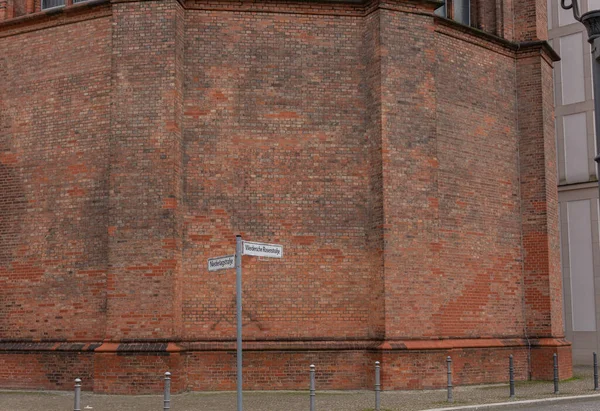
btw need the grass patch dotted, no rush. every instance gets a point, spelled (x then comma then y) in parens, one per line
(539, 382)
(532, 382)
(496, 387)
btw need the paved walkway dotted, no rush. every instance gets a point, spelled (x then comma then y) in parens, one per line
(581, 384)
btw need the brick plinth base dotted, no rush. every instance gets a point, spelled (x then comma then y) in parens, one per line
(139, 368)
(422, 364)
(46, 370)
(542, 358)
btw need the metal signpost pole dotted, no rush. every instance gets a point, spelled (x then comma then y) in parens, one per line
(238, 297)
(225, 262)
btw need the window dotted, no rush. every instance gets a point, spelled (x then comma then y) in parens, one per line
(457, 10)
(49, 4)
(441, 11)
(462, 11)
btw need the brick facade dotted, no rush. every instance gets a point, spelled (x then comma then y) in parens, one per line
(405, 162)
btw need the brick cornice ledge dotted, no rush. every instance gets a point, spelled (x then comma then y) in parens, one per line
(483, 343)
(528, 48)
(332, 345)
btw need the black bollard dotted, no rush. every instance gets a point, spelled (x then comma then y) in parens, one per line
(167, 394)
(77, 406)
(312, 388)
(595, 372)
(449, 362)
(511, 373)
(556, 373)
(377, 386)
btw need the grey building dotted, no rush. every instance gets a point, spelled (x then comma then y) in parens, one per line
(578, 187)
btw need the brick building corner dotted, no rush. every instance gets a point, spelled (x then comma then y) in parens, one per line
(406, 163)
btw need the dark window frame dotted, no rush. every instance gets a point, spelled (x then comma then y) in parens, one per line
(450, 10)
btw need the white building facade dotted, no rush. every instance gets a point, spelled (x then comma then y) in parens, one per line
(578, 181)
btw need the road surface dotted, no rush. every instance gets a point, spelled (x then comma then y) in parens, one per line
(592, 405)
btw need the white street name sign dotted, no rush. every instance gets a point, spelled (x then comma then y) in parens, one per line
(221, 263)
(262, 249)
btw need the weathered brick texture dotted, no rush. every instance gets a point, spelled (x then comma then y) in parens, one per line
(51, 370)
(145, 158)
(539, 197)
(405, 163)
(54, 104)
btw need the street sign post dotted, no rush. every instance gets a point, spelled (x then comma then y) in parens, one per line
(238, 303)
(221, 263)
(235, 260)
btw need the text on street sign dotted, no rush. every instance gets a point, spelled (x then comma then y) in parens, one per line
(262, 249)
(221, 263)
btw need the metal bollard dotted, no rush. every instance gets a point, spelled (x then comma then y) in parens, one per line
(377, 386)
(595, 372)
(450, 397)
(556, 373)
(312, 388)
(167, 401)
(77, 395)
(511, 373)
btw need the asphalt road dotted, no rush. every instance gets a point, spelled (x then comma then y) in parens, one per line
(593, 405)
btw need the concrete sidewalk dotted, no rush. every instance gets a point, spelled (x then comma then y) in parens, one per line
(580, 385)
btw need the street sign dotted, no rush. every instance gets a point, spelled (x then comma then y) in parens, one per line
(262, 249)
(221, 263)
(235, 261)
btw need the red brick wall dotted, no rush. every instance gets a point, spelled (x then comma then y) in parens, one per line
(280, 370)
(145, 175)
(406, 165)
(410, 173)
(275, 149)
(375, 223)
(530, 20)
(483, 14)
(543, 359)
(539, 197)
(54, 109)
(19, 8)
(50, 370)
(428, 369)
(137, 372)
(479, 241)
